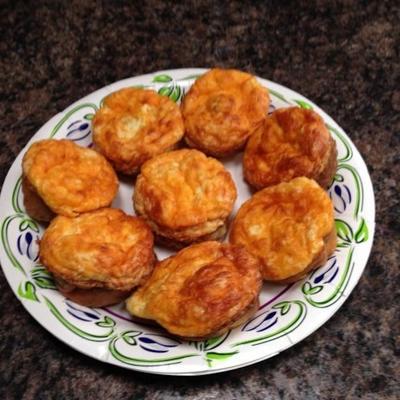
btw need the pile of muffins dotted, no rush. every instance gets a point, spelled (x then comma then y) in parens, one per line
(183, 198)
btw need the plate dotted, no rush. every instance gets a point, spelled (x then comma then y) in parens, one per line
(288, 313)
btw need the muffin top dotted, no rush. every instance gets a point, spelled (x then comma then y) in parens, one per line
(105, 248)
(291, 142)
(221, 110)
(70, 179)
(184, 188)
(199, 291)
(285, 226)
(133, 125)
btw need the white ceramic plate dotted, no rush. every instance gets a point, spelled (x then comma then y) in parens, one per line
(288, 313)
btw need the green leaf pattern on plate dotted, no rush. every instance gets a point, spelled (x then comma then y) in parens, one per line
(27, 223)
(344, 233)
(27, 290)
(6, 243)
(42, 277)
(212, 356)
(129, 337)
(304, 104)
(163, 78)
(362, 232)
(309, 290)
(16, 197)
(172, 89)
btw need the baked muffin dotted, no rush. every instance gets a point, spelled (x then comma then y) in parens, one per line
(291, 142)
(60, 177)
(133, 125)
(222, 109)
(185, 197)
(289, 227)
(98, 258)
(201, 292)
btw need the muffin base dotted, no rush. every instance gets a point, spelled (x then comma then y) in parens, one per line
(33, 203)
(93, 297)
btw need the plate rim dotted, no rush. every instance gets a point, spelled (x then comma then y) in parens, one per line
(35, 314)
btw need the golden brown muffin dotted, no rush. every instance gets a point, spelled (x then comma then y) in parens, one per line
(97, 258)
(291, 142)
(185, 197)
(222, 109)
(201, 292)
(133, 125)
(289, 227)
(60, 177)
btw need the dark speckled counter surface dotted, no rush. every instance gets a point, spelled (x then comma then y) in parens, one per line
(343, 55)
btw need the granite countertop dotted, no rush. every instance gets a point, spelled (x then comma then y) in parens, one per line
(343, 55)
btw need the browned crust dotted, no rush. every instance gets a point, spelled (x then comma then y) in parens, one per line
(262, 226)
(184, 196)
(155, 131)
(320, 259)
(34, 204)
(222, 109)
(70, 179)
(292, 142)
(236, 321)
(103, 249)
(239, 319)
(196, 301)
(97, 296)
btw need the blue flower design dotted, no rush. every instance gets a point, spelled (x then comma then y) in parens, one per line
(27, 245)
(341, 196)
(78, 130)
(328, 275)
(157, 343)
(261, 322)
(82, 313)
